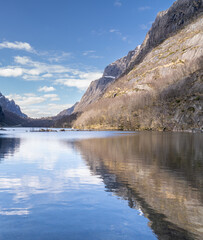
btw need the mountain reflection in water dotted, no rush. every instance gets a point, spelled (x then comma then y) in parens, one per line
(51, 183)
(159, 174)
(8, 146)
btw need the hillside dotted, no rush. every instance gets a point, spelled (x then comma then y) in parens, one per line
(162, 85)
(11, 119)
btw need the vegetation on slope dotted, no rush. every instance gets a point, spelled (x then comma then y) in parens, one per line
(163, 92)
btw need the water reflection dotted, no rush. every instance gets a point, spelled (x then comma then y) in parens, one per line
(47, 189)
(159, 174)
(41, 166)
(8, 146)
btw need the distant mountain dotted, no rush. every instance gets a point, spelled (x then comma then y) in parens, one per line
(160, 86)
(11, 115)
(10, 106)
(8, 119)
(1, 114)
(67, 112)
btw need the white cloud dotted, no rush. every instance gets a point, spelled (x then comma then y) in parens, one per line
(34, 71)
(47, 75)
(56, 108)
(46, 89)
(11, 72)
(82, 81)
(17, 45)
(52, 97)
(32, 78)
(22, 60)
(80, 84)
(26, 99)
(30, 69)
(37, 106)
(38, 71)
(51, 109)
(60, 74)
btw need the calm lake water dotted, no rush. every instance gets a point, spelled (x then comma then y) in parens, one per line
(100, 185)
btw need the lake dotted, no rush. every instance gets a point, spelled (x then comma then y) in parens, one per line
(100, 185)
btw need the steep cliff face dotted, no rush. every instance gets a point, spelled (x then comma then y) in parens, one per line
(162, 87)
(111, 73)
(167, 24)
(10, 106)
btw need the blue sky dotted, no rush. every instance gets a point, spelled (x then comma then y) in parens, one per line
(50, 50)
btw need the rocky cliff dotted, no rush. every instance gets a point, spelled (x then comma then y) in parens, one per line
(167, 24)
(10, 106)
(162, 85)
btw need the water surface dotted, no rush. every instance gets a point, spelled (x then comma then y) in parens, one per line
(100, 185)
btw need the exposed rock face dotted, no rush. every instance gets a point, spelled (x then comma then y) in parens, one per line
(162, 87)
(67, 112)
(10, 106)
(111, 73)
(167, 23)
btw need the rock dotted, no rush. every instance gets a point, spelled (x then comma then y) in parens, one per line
(161, 87)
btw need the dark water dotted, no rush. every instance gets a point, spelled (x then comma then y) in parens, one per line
(100, 185)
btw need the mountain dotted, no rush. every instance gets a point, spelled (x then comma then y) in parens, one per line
(10, 106)
(161, 85)
(10, 119)
(67, 112)
(111, 73)
(1, 114)
(11, 115)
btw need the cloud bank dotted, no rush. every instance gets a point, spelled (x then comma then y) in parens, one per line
(17, 45)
